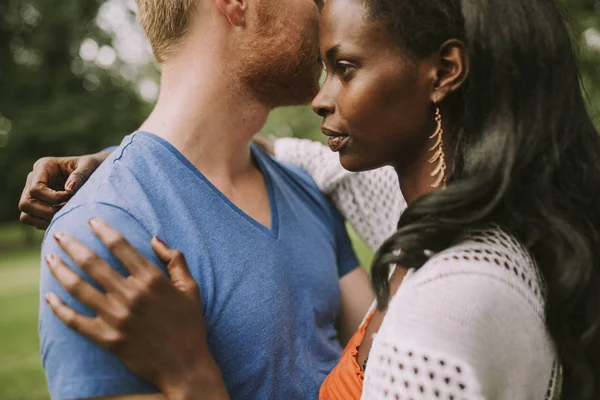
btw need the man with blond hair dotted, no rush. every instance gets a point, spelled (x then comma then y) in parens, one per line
(271, 256)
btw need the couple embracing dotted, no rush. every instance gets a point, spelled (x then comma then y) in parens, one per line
(486, 279)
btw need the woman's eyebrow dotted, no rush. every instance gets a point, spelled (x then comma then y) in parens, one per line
(331, 52)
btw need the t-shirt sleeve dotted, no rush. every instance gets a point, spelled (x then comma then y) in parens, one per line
(345, 255)
(76, 367)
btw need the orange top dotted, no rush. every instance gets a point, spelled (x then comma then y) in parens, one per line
(345, 382)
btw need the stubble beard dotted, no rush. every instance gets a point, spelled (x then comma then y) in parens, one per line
(281, 67)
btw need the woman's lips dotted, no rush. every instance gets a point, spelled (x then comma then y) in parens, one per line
(337, 143)
(337, 139)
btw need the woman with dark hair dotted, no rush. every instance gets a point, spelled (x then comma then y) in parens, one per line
(496, 294)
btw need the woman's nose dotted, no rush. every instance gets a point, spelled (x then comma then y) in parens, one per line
(322, 104)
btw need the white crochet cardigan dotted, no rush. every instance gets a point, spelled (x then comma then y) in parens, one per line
(469, 324)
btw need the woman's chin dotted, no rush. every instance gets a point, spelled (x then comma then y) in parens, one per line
(357, 164)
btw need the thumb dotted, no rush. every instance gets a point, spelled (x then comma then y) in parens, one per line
(176, 265)
(85, 167)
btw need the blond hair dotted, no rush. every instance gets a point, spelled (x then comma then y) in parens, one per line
(165, 23)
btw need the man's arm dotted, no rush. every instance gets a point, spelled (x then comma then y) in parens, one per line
(356, 293)
(138, 314)
(75, 366)
(357, 297)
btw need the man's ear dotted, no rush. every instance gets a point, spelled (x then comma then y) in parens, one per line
(233, 10)
(452, 69)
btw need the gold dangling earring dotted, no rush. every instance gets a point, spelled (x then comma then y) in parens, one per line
(438, 155)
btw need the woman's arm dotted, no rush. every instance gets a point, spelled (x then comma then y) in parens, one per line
(370, 201)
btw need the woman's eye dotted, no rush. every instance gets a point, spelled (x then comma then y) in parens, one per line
(344, 69)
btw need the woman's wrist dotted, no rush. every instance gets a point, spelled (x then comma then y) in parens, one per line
(204, 381)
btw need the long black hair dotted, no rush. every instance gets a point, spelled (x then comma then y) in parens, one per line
(525, 155)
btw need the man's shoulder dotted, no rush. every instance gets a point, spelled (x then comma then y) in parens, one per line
(126, 182)
(293, 173)
(104, 194)
(296, 181)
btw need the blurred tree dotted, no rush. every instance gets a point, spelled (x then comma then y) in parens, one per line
(584, 19)
(63, 91)
(52, 102)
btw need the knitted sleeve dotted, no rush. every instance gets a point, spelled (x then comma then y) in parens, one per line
(370, 201)
(468, 325)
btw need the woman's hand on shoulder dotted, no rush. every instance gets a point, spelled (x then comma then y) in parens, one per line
(155, 326)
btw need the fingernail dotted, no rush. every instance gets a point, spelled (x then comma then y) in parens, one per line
(50, 298)
(71, 186)
(160, 241)
(60, 236)
(50, 259)
(95, 222)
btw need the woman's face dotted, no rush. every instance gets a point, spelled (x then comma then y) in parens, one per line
(376, 103)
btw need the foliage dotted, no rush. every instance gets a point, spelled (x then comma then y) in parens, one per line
(53, 102)
(584, 18)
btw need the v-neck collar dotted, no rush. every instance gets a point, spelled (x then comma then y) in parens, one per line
(274, 230)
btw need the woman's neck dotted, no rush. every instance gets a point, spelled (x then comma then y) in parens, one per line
(415, 185)
(426, 171)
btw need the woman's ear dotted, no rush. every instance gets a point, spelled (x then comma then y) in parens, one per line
(233, 10)
(452, 69)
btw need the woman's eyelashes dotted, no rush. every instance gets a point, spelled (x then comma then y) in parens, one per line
(344, 69)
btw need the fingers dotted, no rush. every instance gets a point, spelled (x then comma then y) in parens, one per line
(75, 181)
(38, 209)
(176, 265)
(34, 221)
(34, 212)
(45, 171)
(93, 328)
(131, 259)
(70, 317)
(85, 167)
(40, 191)
(38, 201)
(93, 265)
(75, 285)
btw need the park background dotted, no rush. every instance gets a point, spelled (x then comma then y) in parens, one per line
(75, 77)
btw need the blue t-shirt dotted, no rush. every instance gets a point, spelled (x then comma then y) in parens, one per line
(270, 296)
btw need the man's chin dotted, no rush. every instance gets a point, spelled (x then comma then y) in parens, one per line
(304, 86)
(297, 95)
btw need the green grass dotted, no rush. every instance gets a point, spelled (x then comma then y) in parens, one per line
(21, 375)
(14, 236)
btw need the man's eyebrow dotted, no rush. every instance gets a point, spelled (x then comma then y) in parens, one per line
(331, 52)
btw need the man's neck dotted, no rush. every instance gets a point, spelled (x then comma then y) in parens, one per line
(208, 117)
